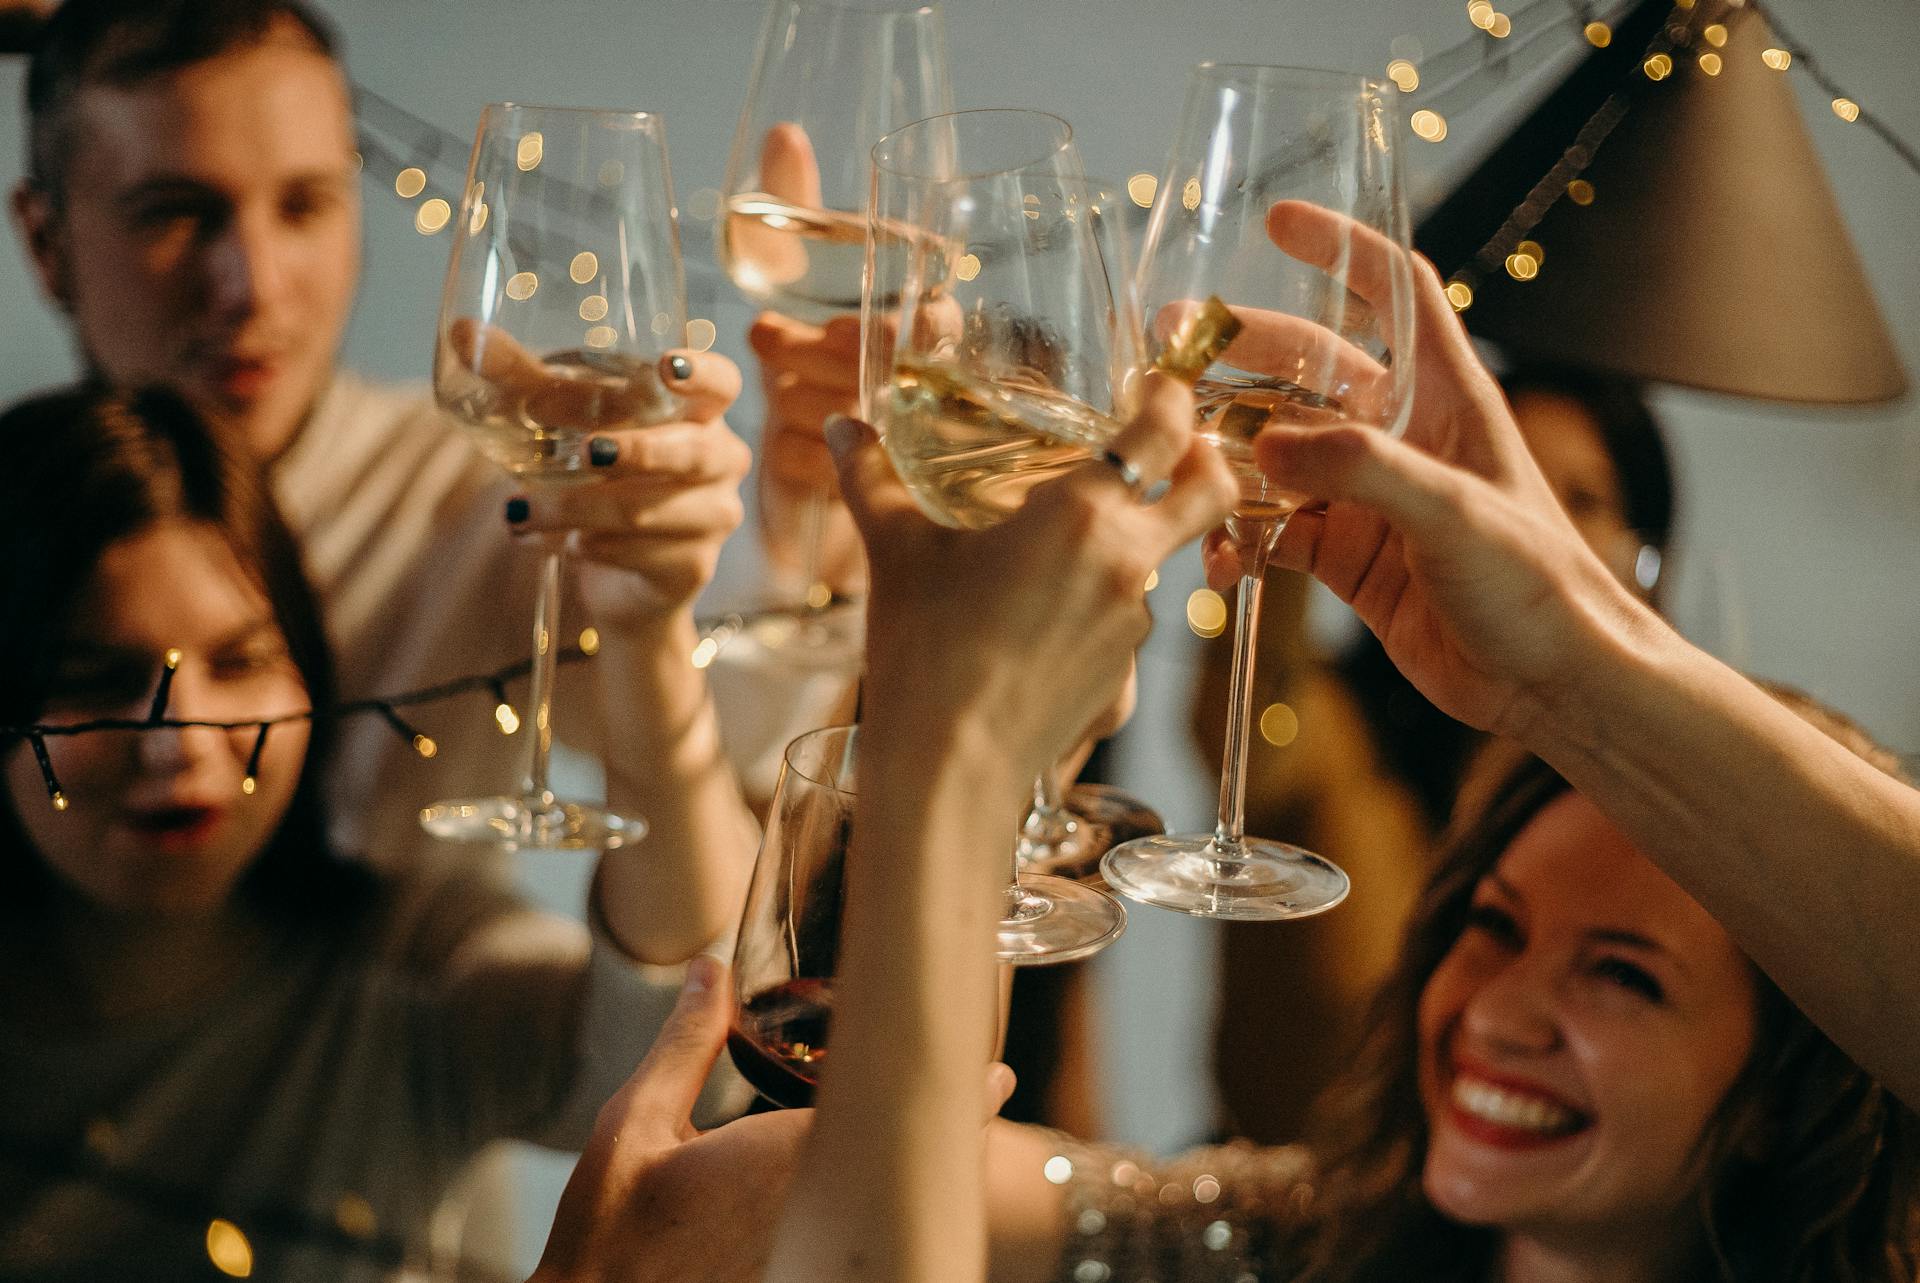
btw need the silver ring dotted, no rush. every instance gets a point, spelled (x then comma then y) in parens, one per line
(1129, 475)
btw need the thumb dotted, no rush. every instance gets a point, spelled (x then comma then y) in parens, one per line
(662, 1091)
(1421, 496)
(1000, 1085)
(873, 491)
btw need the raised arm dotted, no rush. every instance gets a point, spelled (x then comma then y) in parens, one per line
(990, 653)
(1452, 549)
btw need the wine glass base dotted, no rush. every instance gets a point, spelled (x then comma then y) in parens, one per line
(525, 824)
(828, 639)
(1060, 921)
(1103, 817)
(1256, 881)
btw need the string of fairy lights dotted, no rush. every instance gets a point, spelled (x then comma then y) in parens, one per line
(387, 708)
(1682, 35)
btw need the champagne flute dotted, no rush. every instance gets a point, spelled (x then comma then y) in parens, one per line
(829, 78)
(1000, 348)
(563, 293)
(788, 949)
(1324, 342)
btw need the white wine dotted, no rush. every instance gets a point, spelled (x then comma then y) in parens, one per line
(1234, 408)
(970, 449)
(805, 263)
(535, 416)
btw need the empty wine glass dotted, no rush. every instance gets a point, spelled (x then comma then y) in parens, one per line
(829, 79)
(1282, 196)
(1001, 348)
(563, 293)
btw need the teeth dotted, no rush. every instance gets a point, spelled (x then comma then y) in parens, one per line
(1511, 1109)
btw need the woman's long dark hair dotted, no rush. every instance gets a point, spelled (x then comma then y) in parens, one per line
(87, 468)
(1811, 1168)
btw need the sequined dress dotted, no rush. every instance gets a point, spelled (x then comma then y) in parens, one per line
(1214, 1215)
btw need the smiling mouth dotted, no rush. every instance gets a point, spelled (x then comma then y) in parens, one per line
(1505, 1116)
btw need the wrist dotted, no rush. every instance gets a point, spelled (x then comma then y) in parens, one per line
(1625, 649)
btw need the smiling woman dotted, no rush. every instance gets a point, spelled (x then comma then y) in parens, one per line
(1573, 1066)
(1572, 1073)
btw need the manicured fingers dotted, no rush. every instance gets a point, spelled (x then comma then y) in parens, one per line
(643, 506)
(674, 453)
(706, 383)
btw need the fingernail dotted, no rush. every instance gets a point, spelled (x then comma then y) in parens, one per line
(841, 432)
(517, 509)
(679, 369)
(602, 451)
(702, 974)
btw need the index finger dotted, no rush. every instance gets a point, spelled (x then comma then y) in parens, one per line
(1339, 245)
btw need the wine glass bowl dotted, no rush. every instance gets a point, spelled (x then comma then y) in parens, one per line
(564, 290)
(829, 78)
(789, 942)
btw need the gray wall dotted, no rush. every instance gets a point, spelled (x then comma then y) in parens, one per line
(1800, 530)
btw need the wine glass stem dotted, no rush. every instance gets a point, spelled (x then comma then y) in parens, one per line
(546, 626)
(1255, 540)
(813, 521)
(1048, 822)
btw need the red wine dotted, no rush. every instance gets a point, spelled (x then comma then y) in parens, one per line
(779, 1040)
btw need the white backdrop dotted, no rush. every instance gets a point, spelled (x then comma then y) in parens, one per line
(1799, 530)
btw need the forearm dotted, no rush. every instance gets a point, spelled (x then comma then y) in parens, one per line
(681, 887)
(914, 1017)
(1807, 854)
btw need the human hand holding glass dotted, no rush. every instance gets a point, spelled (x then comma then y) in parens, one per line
(563, 292)
(1001, 350)
(1309, 160)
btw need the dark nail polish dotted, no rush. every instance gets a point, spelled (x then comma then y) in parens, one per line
(517, 510)
(602, 451)
(681, 367)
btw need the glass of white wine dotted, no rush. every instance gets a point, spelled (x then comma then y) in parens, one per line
(1282, 196)
(563, 293)
(829, 79)
(1001, 348)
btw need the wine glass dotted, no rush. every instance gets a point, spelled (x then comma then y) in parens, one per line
(563, 293)
(789, 944)
(1001, 348)
(829, 78)
(1326, 339)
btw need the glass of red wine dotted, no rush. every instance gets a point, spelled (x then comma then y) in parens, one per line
(789, 943)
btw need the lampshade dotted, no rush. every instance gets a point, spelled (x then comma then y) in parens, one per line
(1711, 254)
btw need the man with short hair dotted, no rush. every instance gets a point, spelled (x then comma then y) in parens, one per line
(192, 205)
